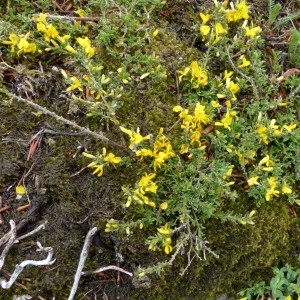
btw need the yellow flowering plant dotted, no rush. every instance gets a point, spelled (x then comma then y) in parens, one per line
(209, 139)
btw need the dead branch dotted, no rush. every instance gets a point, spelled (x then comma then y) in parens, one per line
(9, 240)
(83, 257)
(19, 268)
(40, 227)
(85, 273)
(70, 18)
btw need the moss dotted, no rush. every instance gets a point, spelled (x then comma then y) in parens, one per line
(75, 203)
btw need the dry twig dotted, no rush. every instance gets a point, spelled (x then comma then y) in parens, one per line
(19, 268)
(83, 257)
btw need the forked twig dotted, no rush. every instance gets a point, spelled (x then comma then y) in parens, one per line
(19, 268)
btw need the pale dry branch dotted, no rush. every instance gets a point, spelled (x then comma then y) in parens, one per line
(83, 257)
(85, 273)
(19, 268)
(40, 227)
(9, 239)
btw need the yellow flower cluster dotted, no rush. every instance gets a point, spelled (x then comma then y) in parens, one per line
(162, 150)
(165, 232)
(199, 75)
(266, 164)
(264, 132)
(230, 87)
(271, 191)
(51, 34)
(193, 123)
(212, 32)
(226, 121)
(215, 32)
(237, 13)
(86, 45)
(135, 137)
(101, 160)
(111, 225)
(21, 43)
(144, 186)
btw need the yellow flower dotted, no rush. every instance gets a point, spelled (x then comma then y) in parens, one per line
(184, 149)
(86, 45)
(226, 121)
(204, 30)
(241, 12)
(98, 169)
(144, 152)
(200, 114)
(205, 18)
(163, 205)
(155, 33)
(229, 172)
(290, 127)
(160, 159)
(177, 108)
(88, 155)
(63, 39)
(245, 63)
(268, 169)
(195, 136)
(253, 180)
(135, 138)
(41, 18)
(215, 104)
(13, 41)
(111, 158)
(25, 46)
(272, 182)
(146, 184)
(70, 49)
(286, 189)
(20, 190)
(80, 12)
(262, 132)
(199, 74)
(219, 30)
(183, 73)
(252, 32)
(227, 74)
(167, 244)
(270, 193)
(165, 230)
(75, 85)
(265, 161)
(50, 32)
(232, 87)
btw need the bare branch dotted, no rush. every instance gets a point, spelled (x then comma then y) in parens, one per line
(104, 269)
(83, 257)
(9, 238)
(70, 18)
(19, 268)
(42, 226)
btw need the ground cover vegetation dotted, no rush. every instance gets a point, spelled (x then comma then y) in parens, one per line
(172, 126)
